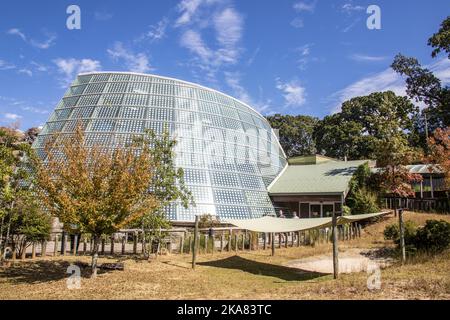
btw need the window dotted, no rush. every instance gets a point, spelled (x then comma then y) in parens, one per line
(95, 87)
(100, 77)
(110, 99)
(90, 100)
(107, 112)
(84, 112)
(229, 196)
(224, 179)
(196, 177)
(132, 112)
(251, 182)
(118, 87)
(135, 100)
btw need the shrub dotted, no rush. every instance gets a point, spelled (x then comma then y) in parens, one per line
(434, 237)
(392, 232)
(363, 201)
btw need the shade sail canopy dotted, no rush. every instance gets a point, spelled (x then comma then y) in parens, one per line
(272, 224)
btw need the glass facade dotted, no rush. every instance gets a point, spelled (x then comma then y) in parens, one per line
(228, 151)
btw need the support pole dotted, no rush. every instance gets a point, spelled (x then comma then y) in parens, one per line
(402, 235)
(335, 242)
(194, 249)
(273, 244)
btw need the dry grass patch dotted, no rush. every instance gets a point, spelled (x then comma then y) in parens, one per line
(249, 275)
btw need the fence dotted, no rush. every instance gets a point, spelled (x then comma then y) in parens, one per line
(180, 241)
(438, 205)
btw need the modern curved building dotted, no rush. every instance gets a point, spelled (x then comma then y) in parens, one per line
(228, 151)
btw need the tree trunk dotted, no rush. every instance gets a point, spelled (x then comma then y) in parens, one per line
(402, 235)
(7, 232)
(95, 256)
(1, 236)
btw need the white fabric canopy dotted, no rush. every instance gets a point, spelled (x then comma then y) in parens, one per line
(272, 224)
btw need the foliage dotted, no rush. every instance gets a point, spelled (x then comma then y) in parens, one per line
(296, 133)
(392, 232)
(95, 188)
(363, 122)
(439, 152)
(208, 221)
(16, 177)
(168, 181)
(441, 40)
(363, 201)
(392, 154)
(434, 237)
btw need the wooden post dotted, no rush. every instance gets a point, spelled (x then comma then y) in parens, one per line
(44, 248)
(135, 243)
(103, 246)
(74, 244)
(243, 241)
(182, 244)
(298, 238)
(63, 243)
(55, 247)
(286, 238)
(265, 241)
(272, 236)
(84, 246)
(213, 244)
(236, 240)
(230, 238)
(279, 241)
(190, 244)
(194, 249)
(402, 235)
(222, 236)
(206, 237)
(124, 243)
(33, 251)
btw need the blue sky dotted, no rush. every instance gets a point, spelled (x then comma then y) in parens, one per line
(296, 57)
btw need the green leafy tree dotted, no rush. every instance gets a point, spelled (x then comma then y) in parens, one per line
(363, 121)
(167, 185)
(441, 40)
(296, 133)
(16, 177)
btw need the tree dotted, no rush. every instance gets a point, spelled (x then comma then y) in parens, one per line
(97, 189)
(16, 177)
(31, 134)
(441, 40)
(439, 152)
(296, 133)
(167, 184)
(364, 121)
(423, 86)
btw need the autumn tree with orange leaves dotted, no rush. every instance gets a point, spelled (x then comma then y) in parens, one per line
(95, 189)
(439, 152)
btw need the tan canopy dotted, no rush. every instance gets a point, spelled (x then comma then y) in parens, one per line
(272, 224)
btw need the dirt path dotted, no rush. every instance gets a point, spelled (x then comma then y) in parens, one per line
(351, 260)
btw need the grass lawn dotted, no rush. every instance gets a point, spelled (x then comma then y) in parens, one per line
(250, 275)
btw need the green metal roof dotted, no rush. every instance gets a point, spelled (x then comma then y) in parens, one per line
(325, 178)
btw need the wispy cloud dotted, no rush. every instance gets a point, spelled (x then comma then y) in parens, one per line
(71, 67)
(297, 23)
(350, 8)
(212, 36)
(12, 116)
(367, 58)
(4, 65)
(28, 72)
(384, 81)
(234, 81)
(187, 9)
(294, 93)
(134, 62)
(43, 44)
(156, 32)
(305, 6)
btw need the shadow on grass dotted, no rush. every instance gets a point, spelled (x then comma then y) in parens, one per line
(41, 271)
(263, 269)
